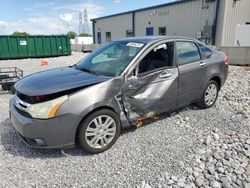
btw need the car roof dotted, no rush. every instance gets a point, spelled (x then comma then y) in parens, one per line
(150, 39)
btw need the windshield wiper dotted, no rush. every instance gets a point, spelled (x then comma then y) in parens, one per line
(87, 70)
(75, 65)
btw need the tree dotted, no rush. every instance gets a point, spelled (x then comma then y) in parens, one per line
(85, 35)
(71, 34)
(18, 33)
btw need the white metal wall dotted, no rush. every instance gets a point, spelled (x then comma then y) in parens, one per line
(184, 19)
(232, 13)
(117, 25)
(242, 36)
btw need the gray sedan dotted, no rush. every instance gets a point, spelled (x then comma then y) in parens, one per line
(124, 83)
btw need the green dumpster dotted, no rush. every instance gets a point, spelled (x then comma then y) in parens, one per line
(14, 47)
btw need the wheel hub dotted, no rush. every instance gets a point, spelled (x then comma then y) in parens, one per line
(211, 94)
(101, 131)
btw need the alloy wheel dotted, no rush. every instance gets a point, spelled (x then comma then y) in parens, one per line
(100, 131)
(211, 94)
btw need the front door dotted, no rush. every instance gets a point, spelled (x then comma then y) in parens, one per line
(193, 72)
(152, 88)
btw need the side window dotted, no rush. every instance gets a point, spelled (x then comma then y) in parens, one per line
(187, 52)
(160, 56)
(205, 52)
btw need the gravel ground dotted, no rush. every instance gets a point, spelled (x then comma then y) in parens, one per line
(187, 148)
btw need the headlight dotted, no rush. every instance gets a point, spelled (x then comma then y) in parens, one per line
(48, 109)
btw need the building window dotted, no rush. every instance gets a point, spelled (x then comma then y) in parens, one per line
(129, 33)
(162, 31)
(108, 36)
(247, 23)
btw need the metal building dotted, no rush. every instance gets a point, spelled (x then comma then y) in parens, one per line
(211, 21)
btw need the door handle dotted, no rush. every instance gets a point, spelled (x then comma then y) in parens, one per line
(166, 75)
(202, 64)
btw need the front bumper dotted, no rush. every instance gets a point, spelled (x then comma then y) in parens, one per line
(58, 132)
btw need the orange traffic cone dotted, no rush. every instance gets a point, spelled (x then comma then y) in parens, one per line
(44, 62)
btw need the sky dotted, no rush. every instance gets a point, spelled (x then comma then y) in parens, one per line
(59, 16)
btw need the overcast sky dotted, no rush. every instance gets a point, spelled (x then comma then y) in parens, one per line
(59, 16)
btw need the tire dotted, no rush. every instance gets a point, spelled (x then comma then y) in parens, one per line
(100, 137)
(7, 87)
(12, 90)
(206, 101)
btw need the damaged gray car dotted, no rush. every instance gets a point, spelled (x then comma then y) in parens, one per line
(120, 84)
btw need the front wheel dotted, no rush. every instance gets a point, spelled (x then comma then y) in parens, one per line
(99, 131)
(210, 95)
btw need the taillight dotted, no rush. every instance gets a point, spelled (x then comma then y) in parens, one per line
(226, 59)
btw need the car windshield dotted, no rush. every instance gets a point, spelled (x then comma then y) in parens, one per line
(111, 59)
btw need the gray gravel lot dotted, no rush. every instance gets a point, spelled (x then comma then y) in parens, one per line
(190, 147)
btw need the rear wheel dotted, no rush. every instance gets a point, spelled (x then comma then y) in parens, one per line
(99, 131)
(210, 95)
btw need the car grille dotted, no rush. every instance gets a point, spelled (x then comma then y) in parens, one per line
(26, 114)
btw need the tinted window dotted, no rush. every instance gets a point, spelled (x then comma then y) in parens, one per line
(205, 52)
(187, 52)
(161, 56)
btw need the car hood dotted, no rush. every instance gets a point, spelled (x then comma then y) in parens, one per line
(56, 80)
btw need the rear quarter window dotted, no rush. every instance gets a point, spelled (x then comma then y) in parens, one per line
(205, 51)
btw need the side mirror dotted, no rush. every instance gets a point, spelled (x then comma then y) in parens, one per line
(132, 78)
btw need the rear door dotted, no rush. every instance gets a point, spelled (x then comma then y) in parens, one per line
(192, 72)
(152, 88)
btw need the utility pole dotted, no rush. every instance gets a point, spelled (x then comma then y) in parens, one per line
(80, 23)
(86, 22)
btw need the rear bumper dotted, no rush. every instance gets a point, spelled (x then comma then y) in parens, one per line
(58, 132)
